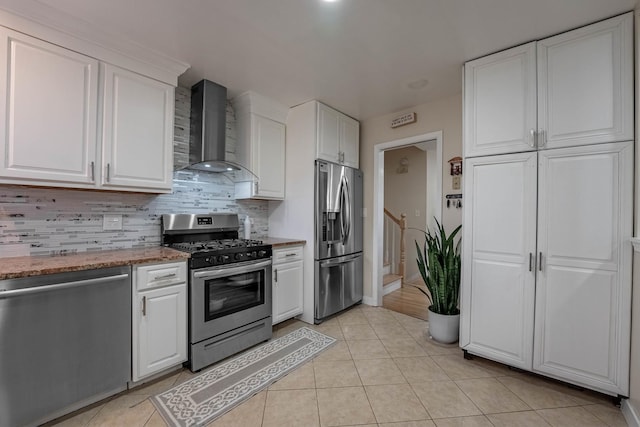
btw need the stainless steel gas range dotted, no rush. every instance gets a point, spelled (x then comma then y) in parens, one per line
(229, 285)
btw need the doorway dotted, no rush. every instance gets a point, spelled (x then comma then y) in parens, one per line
(431, 144)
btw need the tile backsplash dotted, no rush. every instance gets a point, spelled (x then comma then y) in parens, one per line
(45, 221)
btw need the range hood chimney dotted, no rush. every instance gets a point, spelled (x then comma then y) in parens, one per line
(208, 128)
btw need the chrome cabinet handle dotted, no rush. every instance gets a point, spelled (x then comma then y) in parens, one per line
(275, 274)
(93, 171)
(542, 138)
(540, 262)
(165, 276)
(108, 172)
(532, 138)
(293, 254)
(144, 305)
(530, 261)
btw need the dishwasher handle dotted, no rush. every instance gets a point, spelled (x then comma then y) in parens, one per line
(5, 294)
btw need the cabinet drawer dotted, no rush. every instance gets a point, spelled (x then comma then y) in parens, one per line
(291, 253)
(152, 276)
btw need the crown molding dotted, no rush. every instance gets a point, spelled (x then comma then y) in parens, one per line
(52, 25)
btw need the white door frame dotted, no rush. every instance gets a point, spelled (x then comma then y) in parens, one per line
(378, 199)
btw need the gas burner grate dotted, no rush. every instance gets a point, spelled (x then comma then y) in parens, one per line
(215, 245)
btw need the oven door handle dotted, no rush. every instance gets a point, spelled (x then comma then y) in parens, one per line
(230, 271)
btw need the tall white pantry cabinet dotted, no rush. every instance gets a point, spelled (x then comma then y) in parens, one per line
(548, 144)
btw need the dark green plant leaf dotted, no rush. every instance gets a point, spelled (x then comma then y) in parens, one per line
(439, 265)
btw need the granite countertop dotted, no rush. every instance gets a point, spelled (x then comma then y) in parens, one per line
(279, 242)
(11, 268)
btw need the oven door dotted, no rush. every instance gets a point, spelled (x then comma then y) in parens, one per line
(227, 297)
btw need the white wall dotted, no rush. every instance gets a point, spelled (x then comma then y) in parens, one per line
(441, 115)
(634, 391)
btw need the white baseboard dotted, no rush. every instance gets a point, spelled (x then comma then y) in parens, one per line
(631, 413)
(393, 286)
(369, 301)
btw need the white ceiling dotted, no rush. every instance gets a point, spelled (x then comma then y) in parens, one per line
(355, 55)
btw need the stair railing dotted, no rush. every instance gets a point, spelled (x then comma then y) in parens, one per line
(391, 225)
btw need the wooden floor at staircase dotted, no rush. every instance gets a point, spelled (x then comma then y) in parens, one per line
(408, 300)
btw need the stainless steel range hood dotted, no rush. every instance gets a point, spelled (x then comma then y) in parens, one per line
(208, 133)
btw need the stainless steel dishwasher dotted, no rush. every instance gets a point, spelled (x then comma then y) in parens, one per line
(65, 342)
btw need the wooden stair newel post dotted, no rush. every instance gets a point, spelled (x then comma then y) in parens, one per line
(402, 224)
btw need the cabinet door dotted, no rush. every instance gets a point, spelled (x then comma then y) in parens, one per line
(350, 141)
(48, 112)
(287, 291)
(585, 85)
(498, 287)
(268, 152)
(328, 147)
(160, 331)
(137, 132)
(583, 295)
(500, 102)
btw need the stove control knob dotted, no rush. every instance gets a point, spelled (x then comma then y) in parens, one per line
(220, 259)
(262, 253)
(207, 260)
(239, 255)
(253, 254)
(225, 257)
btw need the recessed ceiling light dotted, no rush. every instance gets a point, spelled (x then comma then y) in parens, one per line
(331, 1)
(417, 84)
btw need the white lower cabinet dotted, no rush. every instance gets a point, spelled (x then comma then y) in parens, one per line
(546, 237)
(500, 237)
(159, 318)
(287, 283)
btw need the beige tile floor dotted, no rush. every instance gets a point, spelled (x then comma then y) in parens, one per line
(382, 372)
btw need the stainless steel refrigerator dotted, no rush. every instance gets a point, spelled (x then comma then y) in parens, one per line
(338, 238)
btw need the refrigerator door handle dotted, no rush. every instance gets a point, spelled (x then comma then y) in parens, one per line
(346, 210)
(344, 260)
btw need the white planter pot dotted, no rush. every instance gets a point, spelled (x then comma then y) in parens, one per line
(444, 328)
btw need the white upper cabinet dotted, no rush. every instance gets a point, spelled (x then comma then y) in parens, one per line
(137, 143)
(572, 89)
(585, 85)
(76, 114)
(328, 146)
(350, 141)
(500, 102)
(268, 156)
(260, 146)
(338, 137)
(48, 112)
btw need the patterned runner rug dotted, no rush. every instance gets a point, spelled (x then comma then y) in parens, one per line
(204, 398)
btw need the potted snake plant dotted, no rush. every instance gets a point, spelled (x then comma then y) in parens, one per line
(439, 264)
